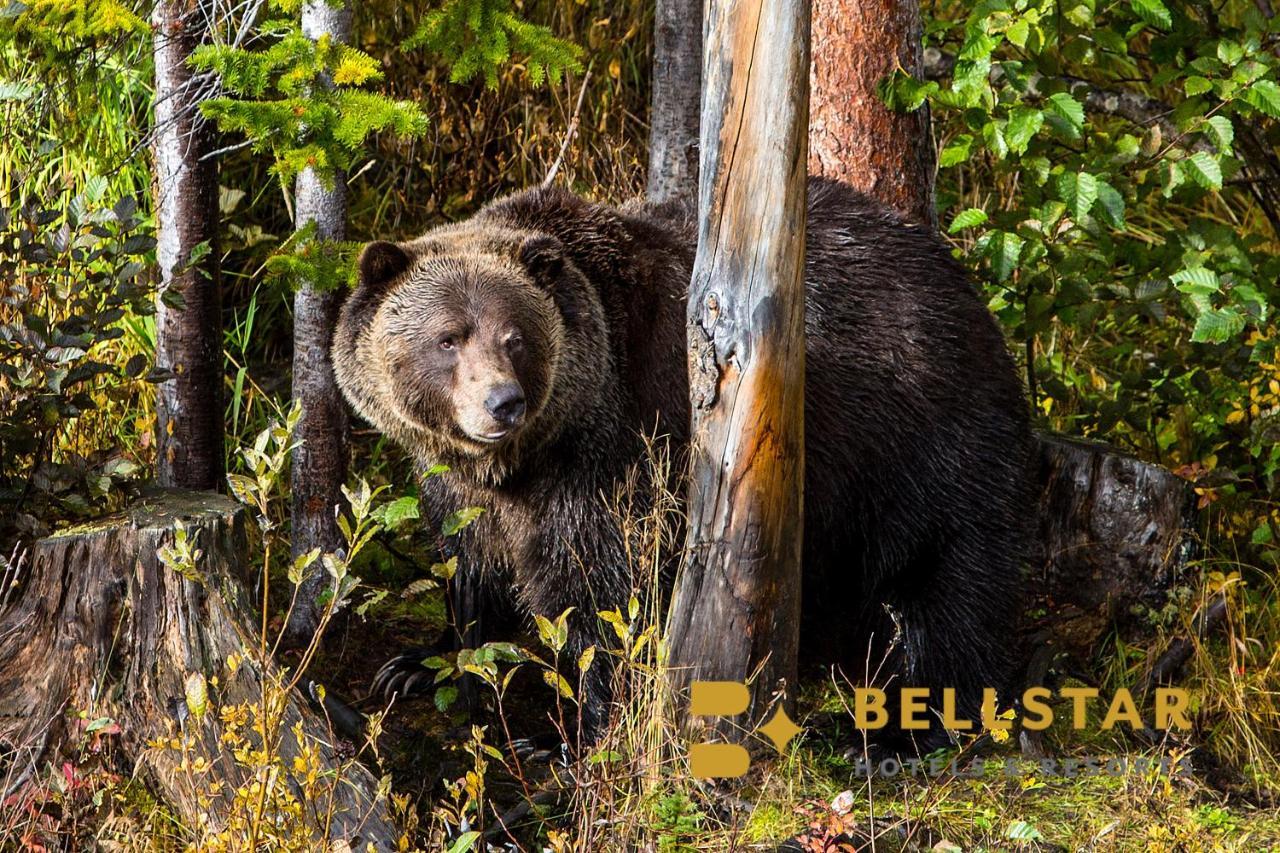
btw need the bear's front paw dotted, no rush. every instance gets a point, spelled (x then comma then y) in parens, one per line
(403, 676)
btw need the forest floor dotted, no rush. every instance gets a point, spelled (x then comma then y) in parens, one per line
(1093, 791)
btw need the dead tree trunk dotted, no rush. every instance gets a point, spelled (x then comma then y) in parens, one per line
(188, 316)
(103, 626)
(320, 462)
(736, 610)
(853, 136)
(677, 94)
(1115, 534)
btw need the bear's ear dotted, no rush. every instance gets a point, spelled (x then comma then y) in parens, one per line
(543, 256)
(380, 262)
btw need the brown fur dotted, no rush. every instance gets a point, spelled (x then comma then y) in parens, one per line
(916, 438)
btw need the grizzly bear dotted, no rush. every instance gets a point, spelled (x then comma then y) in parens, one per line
(531, 348)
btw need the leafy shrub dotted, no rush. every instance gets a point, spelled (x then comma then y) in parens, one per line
(69, 279)
(1110, 169)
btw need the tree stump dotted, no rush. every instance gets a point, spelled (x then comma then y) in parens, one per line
(102, 626)
(1114, 533)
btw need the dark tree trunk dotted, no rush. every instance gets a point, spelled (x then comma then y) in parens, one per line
(320, 463)
(189, 415)
(736, 609)
(1115, 533)
(103, 626)
(853, 136)
(677, 93)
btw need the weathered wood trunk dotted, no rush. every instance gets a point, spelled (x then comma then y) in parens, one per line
(677, 94)
(736, 607)
(188, 314)
(102, 626)
(853, 136)
(1115, 534)
(320, 462)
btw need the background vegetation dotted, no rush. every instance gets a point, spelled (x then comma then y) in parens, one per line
(1109, 171)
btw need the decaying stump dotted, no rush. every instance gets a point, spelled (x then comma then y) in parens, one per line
(103, 627)
(1114, 533)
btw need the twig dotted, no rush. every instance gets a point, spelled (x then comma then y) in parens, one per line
(570, 133)
(1179, 652)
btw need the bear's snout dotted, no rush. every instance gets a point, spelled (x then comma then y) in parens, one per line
(506, 404)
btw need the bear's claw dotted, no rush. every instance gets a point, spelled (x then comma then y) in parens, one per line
(403, 677)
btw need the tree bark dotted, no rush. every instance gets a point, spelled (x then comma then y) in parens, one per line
(736, 608)
(677, 94)
(853, 136)
(189, 451)
(1115, 534)
(320, 463)
(103, 626)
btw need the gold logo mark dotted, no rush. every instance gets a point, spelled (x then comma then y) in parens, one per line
(728, 699)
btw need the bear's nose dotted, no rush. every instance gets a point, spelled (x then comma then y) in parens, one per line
(506, 404)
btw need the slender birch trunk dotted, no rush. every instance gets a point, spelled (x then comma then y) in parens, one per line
(320, 463)
(189, 433)
(677, 94)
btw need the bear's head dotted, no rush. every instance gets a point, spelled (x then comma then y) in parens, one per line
(455, 344)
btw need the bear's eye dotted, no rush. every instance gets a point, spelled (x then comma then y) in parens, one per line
(447, 343)
(515, 342)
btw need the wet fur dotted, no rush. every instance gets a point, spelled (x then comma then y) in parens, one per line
(917, 441)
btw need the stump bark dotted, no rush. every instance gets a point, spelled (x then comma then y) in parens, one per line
(1115, 534)
(103, 627)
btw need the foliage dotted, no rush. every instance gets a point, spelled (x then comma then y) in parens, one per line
(67, 25)
(287, 790)
(478, 37)
(69, 278)
(1106, 167)
(301, 99)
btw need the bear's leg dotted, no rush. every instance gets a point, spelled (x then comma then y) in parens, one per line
(956, 629)
(404, 676)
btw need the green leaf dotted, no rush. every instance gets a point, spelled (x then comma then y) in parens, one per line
(993, 136)
(1196, 280)
(1222, 132)
(1265, 96)
(1066, 114)
(1020, 830)
(1024, 124)
(1079, 191)
(460, 519)
(1202, 168)
(970, 218)
(1229, 53)
(445, 697)
(1003, 249)
(464, 842)
(1112, 205)
(1196, 85)
(397, 512)
(1217, 325)
(1152, 12)
(956, 152)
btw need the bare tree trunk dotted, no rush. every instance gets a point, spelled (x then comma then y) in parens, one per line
(677, 92)
(853, 136)
(103, 626)
(188, 318)
(320, 463)
(736, 610)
